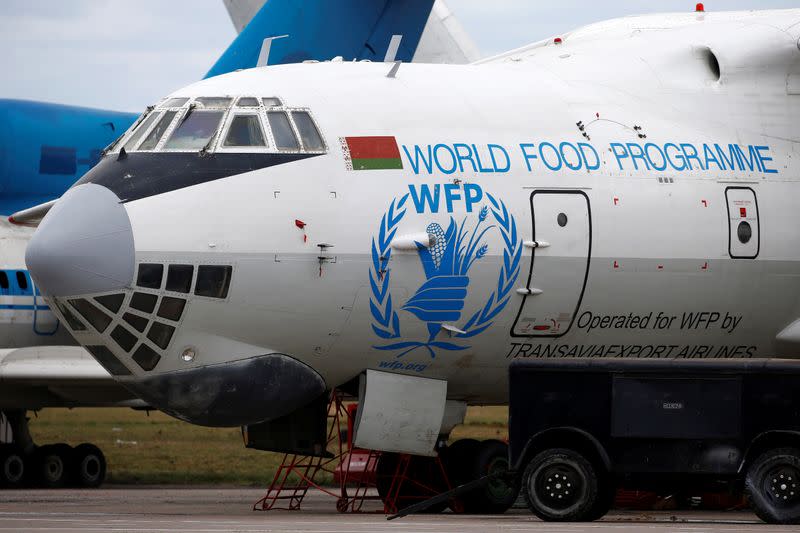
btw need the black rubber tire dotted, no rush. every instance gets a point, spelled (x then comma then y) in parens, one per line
(13, 464)
(606, 494)
(497, 496)
(87, 466)
(457, 460)
(49, 465)
(561, 485)
(773, 485)
(424, 480)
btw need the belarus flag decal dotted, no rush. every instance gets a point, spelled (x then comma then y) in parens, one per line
(371, 153)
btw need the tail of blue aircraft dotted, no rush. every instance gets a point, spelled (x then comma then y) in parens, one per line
(45, 148)
(322, 29)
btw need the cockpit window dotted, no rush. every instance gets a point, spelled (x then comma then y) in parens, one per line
(213, 101)
(272, 102)
(247, 101)
(245, 130)
(282, 131)
(308, 131)
(140, 131)
(173, 102)
(195, 131)
(152, 140)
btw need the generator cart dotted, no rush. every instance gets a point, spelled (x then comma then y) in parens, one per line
(581, 428)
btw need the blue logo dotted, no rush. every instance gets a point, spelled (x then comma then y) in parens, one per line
(446, 262)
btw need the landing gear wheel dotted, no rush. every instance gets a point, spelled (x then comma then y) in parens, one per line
(50, 465)
(773, 484)
(87, 466)
(12, 466)
(496, 497)
(423, 480)
(561, 485)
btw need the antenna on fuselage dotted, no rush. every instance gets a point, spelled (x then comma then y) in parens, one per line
(263, 55)
(391, 54)
(394, 46)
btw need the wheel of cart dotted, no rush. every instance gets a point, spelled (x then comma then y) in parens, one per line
(773, 484)
(564, 485)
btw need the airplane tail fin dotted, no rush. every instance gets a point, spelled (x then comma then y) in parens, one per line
(443, 40)
(321, 30)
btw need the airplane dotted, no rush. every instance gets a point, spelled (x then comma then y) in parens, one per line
(48, 146)
(405, 231)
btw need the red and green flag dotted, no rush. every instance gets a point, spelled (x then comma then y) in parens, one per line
(372, 153)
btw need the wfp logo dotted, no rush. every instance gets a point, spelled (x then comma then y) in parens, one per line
(446, 261)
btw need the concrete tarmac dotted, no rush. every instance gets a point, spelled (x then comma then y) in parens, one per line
(209, 510)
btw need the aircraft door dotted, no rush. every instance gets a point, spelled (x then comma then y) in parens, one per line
(744, 236)
(561, 247)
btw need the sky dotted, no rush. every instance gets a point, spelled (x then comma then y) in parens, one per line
(126, 54)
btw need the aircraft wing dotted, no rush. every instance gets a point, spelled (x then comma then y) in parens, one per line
(443, 40)
(58, 376)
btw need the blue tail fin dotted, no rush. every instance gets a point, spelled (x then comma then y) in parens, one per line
(323, 29)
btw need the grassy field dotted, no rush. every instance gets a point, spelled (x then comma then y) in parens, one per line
(156, 448)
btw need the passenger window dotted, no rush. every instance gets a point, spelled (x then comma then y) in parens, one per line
(245, 130)
(213, 281)
(282, 131)
(3, 280)
(150, 275)
(308, 131)
(174, 102)
(214, 101)
(130, 144)
(152, 140)
(22, 280)
(195, 131)
(272, 102)
(247, 101)
(179, 278)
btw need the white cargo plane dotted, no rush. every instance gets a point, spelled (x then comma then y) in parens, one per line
(42, 366)
(625, 190)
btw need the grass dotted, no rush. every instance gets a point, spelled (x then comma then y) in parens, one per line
(154, 448)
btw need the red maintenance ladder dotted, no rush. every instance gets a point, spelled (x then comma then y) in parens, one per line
(298, 473)
(355, 473)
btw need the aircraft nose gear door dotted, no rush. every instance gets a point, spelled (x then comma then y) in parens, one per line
(561, 246)
(743, 230)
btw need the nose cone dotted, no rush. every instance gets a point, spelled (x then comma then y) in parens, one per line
(84, 244)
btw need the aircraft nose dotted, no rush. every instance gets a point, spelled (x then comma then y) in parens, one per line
(83, 245)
